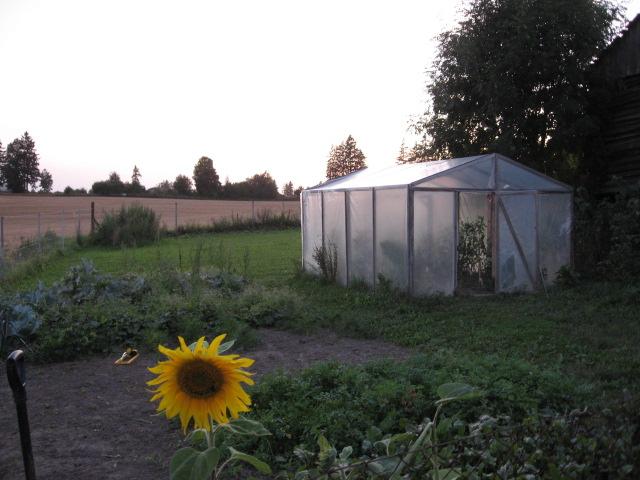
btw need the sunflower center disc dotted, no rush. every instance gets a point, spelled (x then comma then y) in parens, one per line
(200, 379)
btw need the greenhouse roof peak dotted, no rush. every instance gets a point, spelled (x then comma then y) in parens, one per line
(477, 172)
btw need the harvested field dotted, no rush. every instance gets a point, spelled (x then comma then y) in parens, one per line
(63, 215)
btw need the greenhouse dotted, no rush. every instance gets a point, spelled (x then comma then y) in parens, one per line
(465, 225)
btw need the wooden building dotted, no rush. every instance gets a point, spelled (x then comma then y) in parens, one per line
(618, 68)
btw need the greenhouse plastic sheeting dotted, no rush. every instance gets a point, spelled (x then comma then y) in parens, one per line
(334, 231)
(312, 234)
(513, 274)
(474, 175)
(434, 250)
(394, 175)
(391, 235)
(554, 233)
(515, 177)
(360, 236)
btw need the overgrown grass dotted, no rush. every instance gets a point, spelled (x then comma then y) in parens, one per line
(269, 257)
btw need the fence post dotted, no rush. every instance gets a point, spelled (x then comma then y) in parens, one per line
(253, 211)
(78, 227)
(1, 238)
(39, 233)
(62, 229)
(176, 215)
(93, 216)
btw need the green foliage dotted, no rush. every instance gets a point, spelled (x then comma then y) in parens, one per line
(132, 225)
(344, 159)
(183, 185)
(607, 235)
(260, 186)
(204, 460)
(115, 186)
(19, 165)
(265, 220)
(512, 77)
(206, 178)
(474, 255)
(343, 402)
(547, 445)
(261, 307)
(326, 258)
(46, 181)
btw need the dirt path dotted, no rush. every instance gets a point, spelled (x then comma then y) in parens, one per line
(90, 419)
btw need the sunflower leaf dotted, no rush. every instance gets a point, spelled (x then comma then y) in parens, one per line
(244, 426)
(450, 392)
(251, 460)
(192, 346)
(225, 346)
(191, 464)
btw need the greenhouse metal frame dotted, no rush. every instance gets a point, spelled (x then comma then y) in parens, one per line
(479, 224)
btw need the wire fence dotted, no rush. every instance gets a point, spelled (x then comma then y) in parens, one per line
(52, 226)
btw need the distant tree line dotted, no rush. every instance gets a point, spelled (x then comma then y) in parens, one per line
(20, 167)
(205, 183)
(20, 173)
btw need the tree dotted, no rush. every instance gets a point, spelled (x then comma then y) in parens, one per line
(262, 186)
(287, 190)
(511, 77)
(20, 165)
(205, 178)
(135, 186)
(46, 181)
(298, 191)
(112, 186)
(182, 185)
(344, 159)
(165, 188)
(135, 177)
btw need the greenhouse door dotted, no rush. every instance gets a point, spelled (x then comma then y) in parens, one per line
(475, 242)
(517, 253)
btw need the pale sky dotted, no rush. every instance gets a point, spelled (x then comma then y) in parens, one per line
(255, 85)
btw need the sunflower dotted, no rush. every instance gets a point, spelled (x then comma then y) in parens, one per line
(201, 384)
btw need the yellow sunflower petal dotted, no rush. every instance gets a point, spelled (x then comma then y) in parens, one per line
(200, 386)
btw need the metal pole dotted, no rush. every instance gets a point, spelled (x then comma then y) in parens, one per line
(17, 382)
(176, 215)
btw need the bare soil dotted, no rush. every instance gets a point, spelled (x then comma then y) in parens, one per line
(62, 215)
(92, 419)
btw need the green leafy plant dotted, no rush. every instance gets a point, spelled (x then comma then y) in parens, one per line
(326, 258)
(474, 255)
(132, 225)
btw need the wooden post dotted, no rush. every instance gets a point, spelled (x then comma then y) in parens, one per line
(78, 231)
(39, 233)
(62, 229)
(176, 215)
(93, 216)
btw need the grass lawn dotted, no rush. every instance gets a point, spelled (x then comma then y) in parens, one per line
(270, 257)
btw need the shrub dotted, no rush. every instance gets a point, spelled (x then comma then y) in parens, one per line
(133, 225)
(326, 257)
(607, 235)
